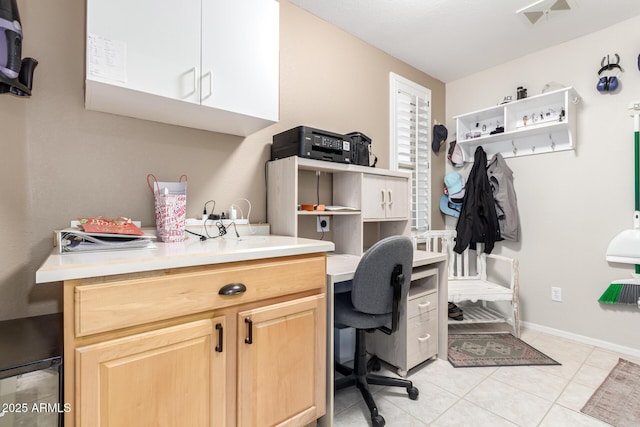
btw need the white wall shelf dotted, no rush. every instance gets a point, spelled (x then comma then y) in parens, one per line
(540, 124)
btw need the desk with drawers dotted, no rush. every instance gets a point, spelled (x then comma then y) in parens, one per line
(423, 329)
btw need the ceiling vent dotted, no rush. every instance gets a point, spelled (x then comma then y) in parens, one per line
(541, 8)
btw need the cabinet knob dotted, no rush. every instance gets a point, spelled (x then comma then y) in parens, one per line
(232, 289)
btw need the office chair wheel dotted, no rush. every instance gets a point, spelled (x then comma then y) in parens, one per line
(374, 364)
(377, 421)
(413, 393)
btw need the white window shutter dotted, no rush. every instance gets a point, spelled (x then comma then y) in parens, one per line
(410, 122)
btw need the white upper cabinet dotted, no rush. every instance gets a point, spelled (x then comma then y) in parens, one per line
(210, 65)
(240, 59)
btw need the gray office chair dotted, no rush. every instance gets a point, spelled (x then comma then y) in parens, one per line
(379, 292)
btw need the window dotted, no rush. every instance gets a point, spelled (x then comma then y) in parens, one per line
(410, 121)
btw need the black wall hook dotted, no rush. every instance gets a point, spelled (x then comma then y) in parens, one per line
(609, 65)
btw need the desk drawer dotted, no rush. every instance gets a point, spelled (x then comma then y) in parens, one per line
(423, 304)
(422, 341)
(124, 303)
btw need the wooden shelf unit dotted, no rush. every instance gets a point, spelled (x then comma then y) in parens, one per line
(356, 187)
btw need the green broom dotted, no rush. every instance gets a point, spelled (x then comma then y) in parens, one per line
(625, 247)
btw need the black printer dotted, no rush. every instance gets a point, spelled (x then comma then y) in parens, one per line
(311, 143)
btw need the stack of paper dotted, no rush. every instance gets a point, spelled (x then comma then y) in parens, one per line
(75, 240)
(97, 234)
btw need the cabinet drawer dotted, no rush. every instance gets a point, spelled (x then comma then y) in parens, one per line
(120, 304)
(423, 304)
(422, 341)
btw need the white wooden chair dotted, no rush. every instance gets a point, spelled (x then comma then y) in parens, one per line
(471, 280)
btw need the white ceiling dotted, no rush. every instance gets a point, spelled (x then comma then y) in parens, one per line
(451, 39)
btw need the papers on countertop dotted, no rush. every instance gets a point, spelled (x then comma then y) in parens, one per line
(72, 240)
(339, 208)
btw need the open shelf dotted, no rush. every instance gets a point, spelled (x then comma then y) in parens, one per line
(540, 124)
(294, 180)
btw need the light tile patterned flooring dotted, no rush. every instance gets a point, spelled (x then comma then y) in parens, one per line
(38, 387)
(546, 396)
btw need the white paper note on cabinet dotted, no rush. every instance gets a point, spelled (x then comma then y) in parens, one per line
(106, 58)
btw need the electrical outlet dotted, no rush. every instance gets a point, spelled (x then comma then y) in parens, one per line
(323, 224)
(556, 294)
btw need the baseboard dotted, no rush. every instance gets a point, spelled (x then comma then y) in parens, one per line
(583, 339)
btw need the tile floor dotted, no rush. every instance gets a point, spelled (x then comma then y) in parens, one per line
(38, 387)
(546, 396)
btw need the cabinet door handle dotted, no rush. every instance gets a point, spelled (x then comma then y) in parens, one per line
(249, 338)
(425, 305)
(390, 199)
(208, 73)
(382, 193)
(232, 289)
(220, 330)
(423, 339)
(195, 81)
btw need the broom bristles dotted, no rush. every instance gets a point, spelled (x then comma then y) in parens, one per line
(622, 292)
(610, 296)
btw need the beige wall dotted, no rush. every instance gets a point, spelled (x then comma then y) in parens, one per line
(60, 161)
(571, 203)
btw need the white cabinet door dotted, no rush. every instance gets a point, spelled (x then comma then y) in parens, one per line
(397, 197)
(385, 197)
(151, 46)
(240, 61)
(374, 197)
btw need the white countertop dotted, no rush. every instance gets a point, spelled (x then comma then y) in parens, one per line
(192, 252)
(340, 267)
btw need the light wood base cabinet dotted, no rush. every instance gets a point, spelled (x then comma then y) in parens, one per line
(281, 355)
(163, 377)
(256, 358)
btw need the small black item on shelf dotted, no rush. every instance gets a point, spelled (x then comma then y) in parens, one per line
(521, 92)
(499, 129)
(361, 147)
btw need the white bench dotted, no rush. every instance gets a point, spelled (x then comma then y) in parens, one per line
(471, 280)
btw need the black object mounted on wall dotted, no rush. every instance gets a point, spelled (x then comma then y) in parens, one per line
(608, 83)
(16, 74)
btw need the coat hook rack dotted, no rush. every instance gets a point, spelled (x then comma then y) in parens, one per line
(515, 150)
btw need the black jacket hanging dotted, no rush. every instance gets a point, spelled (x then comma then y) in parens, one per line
(478, 222)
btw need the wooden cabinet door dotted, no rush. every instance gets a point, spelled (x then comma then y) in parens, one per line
(151, 46)
(173, 376)
(281, 363)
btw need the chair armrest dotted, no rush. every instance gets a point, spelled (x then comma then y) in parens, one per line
(511, 261)
(513, 269)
